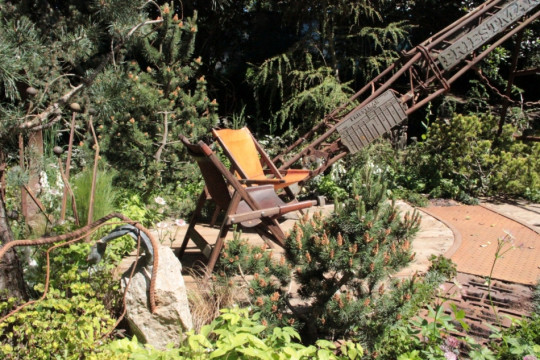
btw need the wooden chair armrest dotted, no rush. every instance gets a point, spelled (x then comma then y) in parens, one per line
(261, 181)
(298, 171)
(288, 171)
(270, 212)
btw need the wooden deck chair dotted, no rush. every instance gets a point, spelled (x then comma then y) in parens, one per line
(251, 162)
(257, 207)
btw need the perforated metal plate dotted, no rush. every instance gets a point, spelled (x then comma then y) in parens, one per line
(362, 126)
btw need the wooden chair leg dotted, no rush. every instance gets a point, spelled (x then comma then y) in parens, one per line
(291, 195)
(273, 227)
(215, 216)
(268, 238)
(217, 247)
(222, 234)
(193, 221)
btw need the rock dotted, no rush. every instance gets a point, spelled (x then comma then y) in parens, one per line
(172, 317)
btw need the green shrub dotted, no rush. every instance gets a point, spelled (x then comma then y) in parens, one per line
(236, 334)
(60, 326)
(443, 266)
(338, 263)
(462, 158)
(78, 310)
(132, 205)
(333, 184)
(522, 339)
(431, 337)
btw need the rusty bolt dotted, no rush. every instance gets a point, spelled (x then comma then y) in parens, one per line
(58, 150)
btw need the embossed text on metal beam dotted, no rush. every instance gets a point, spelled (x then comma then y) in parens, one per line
(489, 28)
(368, 123)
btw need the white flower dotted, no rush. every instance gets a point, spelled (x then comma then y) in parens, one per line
(59, 182)
(159, 200)
(162, 225)
(180, 222)
(457, 284)
(508, 234)
(43, 180)
(450, 356)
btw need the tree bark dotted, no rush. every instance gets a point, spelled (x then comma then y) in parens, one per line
(11, 274)
(35, 219)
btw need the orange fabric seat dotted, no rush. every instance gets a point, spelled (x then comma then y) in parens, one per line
(249, 160)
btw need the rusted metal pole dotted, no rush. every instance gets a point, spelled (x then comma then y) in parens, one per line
(379, 91)
(458, 25)
(68, 167)
(94, 173)
(334, 113)
(2, 175)
(428, 44)
(499, 42)
(66, 183)
(439, 53)
(38, 203)
(475, 61)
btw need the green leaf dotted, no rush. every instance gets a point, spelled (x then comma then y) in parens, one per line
(256, 353)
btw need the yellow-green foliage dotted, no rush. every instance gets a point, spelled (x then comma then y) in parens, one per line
(57, 327)
(238, 334)
(519, 172)
(104, 196)
(74, 316)
(463, 155)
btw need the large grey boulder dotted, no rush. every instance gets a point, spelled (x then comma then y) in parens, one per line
(172, 317)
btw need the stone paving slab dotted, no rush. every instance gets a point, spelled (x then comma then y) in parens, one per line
(519, 210)
(433, 238)
(479, 229)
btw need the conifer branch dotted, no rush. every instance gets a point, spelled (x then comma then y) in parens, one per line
(48, 124)
(157, 156)
(51, 109)
(38, 121)
(50, 83)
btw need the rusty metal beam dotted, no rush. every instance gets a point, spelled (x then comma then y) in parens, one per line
(428, 78)
(527, 72)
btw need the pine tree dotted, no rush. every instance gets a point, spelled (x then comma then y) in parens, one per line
(338, 263)
(160, 96)
(61, 50)
(45, 50)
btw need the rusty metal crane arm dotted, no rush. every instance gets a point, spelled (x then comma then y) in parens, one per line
(430, 69)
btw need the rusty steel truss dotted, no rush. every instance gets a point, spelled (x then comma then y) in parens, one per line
(429, 70)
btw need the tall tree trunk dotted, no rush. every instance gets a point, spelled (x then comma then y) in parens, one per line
(35, 219)
(11, 274)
